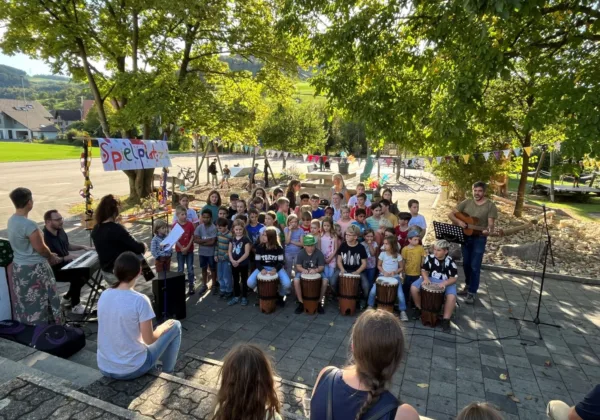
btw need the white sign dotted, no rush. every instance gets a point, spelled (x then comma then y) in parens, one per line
(173, 236)
(122, 154)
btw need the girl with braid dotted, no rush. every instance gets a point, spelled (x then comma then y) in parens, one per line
(359, 390)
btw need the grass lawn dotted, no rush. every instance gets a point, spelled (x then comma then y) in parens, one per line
(305, 93)
(22, 152)
(570, 205)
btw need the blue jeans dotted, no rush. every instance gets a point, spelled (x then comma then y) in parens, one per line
(189, 261)
(401, 299)
(164, 349)
(328, 271)
(450, 290)
(284, 279)
(290, 262)
(472, 252)
(224, 276)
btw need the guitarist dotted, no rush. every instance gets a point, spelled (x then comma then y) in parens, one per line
(472, 251)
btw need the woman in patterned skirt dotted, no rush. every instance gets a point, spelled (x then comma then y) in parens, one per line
(33, 289)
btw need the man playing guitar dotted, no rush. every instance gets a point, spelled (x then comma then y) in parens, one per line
(472, 250)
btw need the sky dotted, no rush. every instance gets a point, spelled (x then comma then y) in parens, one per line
(22, 62)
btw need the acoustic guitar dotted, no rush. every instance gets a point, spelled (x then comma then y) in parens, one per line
(473, 229)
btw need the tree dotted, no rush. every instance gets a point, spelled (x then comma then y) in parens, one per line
(160, 58)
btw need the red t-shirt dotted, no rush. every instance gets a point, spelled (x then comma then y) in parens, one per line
(402, 237)
(188, 235)
(305, 229)
(353, 212)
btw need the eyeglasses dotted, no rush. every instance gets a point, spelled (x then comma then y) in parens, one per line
(60, 219)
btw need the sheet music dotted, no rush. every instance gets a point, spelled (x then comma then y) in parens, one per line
(173, 236)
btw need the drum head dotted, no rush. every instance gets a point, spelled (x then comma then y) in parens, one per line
(267, 277)
(315, 276)
(433, 287)
(350, 275)
(387, 281)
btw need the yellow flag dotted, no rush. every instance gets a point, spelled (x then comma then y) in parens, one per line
(528, 150)
(466, 158)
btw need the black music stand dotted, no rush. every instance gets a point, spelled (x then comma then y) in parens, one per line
(95, 285)
(450, 233)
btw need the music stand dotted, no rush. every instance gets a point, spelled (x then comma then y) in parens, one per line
(450, 233)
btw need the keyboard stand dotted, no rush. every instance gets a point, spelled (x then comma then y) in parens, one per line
(96, 287)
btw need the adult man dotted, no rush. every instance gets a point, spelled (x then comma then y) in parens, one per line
(212, 170)
(474, 247)
(57, 240)
(310, 260)
(588, 409)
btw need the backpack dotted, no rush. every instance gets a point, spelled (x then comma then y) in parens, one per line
(58, 340)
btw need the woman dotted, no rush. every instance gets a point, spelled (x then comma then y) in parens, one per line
(213, 203)
(339, 186)
(359, 390)
(128, 346)
(259, 192)
(33, 288)
(110, 238)
(292, 190)
(247, 386)
(387, 195)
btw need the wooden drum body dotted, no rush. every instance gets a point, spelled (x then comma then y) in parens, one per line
(349, 284)
(268, 286)
(311, 291)
(386, 293)
(432, 299)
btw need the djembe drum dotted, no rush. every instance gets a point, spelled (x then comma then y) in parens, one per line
(311, 291)
(432, 299)
(348, 296)
(268, 286)
(386, 293)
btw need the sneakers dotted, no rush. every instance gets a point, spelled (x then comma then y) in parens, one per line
(446, 326)
(300, 308)
(280, 301)
(416, 313)
(191, 290)
(65, 300)
(78, 309)
(321, 309)
(363, 306)
(403, 316)
(464, 291)
(470, 299)
(244, 301)
(234, 301)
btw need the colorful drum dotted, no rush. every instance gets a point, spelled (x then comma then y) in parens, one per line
(386, 292)
(268, 286)
(311, 291)
(432, 299)
(349, 284)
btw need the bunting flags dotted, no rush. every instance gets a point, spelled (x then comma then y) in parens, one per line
(528, 150)
(557, 145)
(517, 151)
(486, 155)
(439, 159)
(430, 159)
(506, 153)
(466, 158)
(304, 157)
(497, 154)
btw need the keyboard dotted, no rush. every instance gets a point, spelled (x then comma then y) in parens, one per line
(88, 261)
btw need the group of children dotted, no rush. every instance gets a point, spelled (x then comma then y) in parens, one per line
(239, 242)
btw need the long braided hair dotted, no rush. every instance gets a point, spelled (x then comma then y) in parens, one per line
(377, 349)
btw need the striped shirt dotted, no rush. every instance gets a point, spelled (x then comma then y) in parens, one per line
(223, 240)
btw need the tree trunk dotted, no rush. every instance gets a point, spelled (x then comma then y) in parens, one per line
(523, 181)
(140, 180)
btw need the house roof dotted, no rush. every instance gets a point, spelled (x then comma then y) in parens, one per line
(67, 114)
(31, 114)
(86, 106)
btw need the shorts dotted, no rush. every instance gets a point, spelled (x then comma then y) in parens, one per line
(226, 176)
(207, 261)
(450, 290)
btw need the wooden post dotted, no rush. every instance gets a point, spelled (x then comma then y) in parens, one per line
(197, 178)
(197, 143)
(252, 175)
(539, 167)
(551, 176)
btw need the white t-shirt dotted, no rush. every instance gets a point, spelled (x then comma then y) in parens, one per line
(390, 263)
(418, 220)
(354, 201)
(120, 346)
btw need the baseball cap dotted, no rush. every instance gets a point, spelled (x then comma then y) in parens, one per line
(412, 234)
(309, 240)
(234, 197)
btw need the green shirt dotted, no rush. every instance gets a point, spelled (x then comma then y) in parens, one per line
(482, 212)
(281, 221)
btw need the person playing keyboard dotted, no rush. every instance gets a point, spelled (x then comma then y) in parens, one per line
(57, 240)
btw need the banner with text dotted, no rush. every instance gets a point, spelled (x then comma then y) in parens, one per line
(122, 154)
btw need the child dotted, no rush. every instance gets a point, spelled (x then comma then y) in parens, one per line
(360, 205)
(360, 222)
(239, 251)
(233, 199)
(283, 205)
(277, 193)
(360, 189)
(185, 248)
(337, 230)
(329, 212)
(271, 221)
(315, 230)
(259, 192)
(161, 254)
(222, 259)
(269, 259)
(213, 203)
(336, 204)
(304, 201)
(293, 242)
(241, 209)
(257, 203)
(328, 244)
(480, 411)
(243, 218)
(226, 176)
(385, 212)
(306, 220)
(248, 389)
(191, 214)
(390, 264)
(351, 256)
(317, 212)
(206, 236)
(345, 221)
(375, 218)
(416, 218)
(128, 346)
(253, 228)
(224, 213)
(413, 255)
(368, 276)
(402, 228)
(310, 261)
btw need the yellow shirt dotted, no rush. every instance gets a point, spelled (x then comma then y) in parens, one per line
(392, 218)
(413, 259)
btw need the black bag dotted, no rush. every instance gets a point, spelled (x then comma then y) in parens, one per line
(58, 340)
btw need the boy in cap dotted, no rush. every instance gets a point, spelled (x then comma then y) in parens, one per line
(310, 260)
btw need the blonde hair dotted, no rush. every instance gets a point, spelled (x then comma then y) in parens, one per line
(340, 177)
(160, 223)
(353, 229)
(479, 411)
(290, 218)
(442, 244)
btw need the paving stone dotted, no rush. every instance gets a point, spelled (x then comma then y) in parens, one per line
(497, 386)
(474, 375)
(443, 375)
(493, 361)
(502, 402)
(416, 375)
(476, 389)
(518, 361)
(444, 389)
(442, 404)
(530, 402)
(412, 389)
(527, 387)
(416, 403)
(443, 363)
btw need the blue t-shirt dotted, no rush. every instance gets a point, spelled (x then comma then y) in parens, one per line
(318, 213)
(254, 232)
(418, 220)
(296, 236)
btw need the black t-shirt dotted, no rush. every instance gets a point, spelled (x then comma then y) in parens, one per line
(352, 256)
(269, 257)
(316, 260)
(59, 243)
(111, 240)
(440, 269)
(231, 212)
(212, 168)
(239, 249)
(589, 408)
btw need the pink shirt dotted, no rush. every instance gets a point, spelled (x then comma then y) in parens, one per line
(344, 225)
(328, 244)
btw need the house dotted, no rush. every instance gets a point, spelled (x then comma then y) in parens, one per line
(65, 117)
(86, 105)
(25, 119)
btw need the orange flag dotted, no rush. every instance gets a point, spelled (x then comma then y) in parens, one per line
(528, 150)
(466, 158)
